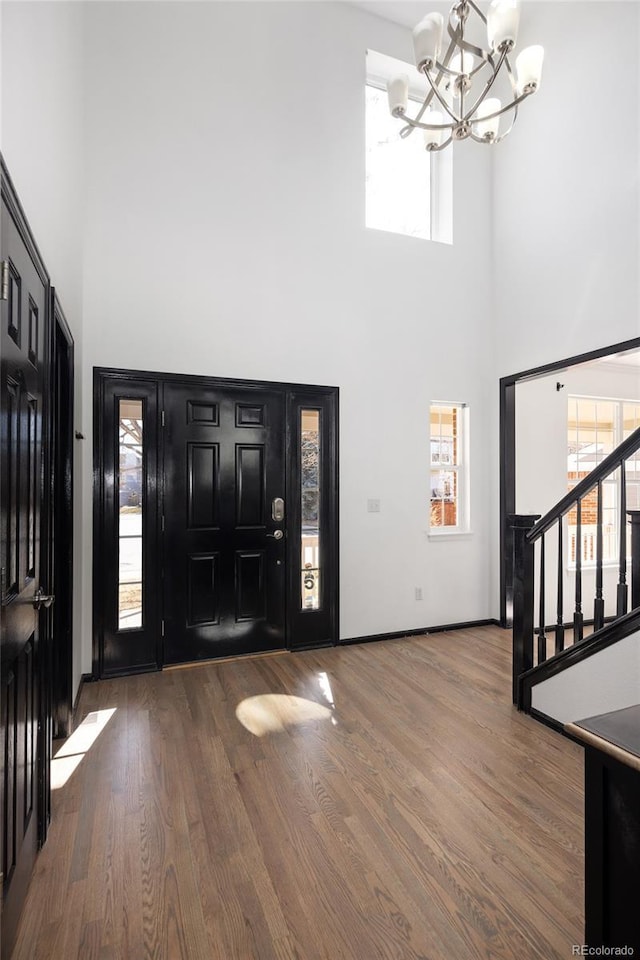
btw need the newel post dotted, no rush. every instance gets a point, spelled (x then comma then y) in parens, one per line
(634, 517)
(523, 574)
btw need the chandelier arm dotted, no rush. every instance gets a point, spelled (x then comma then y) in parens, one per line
(484, 55)
(457, 33)
(512, 77)
(443, 66)
(489, 84)
(464, 12)
(434, 90)
(456, 38)
(419, 125)
(502, 136)
(441, 147)
(429, 96)
(509, 106)
(477, 10)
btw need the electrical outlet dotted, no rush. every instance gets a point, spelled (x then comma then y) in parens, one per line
(418, 593)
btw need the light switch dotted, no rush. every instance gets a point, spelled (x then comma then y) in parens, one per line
(373, 506)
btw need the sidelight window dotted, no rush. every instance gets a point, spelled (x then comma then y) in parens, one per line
(130, 507)
(311, 506)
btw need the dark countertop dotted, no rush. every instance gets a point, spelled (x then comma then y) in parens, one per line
(616, 733)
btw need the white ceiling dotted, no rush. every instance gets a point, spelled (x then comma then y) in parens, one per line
(629, 359)
(405, 12)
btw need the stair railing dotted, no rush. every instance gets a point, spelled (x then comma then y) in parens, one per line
(531, 529)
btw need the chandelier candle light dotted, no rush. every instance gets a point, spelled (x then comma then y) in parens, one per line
(463, 108)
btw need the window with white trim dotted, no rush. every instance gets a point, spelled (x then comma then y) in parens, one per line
(408, 188)
(449, 436)
(595, 426)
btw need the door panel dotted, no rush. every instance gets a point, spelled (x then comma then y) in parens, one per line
(223, 569)
(22, 347)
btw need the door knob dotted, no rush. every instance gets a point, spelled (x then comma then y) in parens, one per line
(41, 600)
(277, 534)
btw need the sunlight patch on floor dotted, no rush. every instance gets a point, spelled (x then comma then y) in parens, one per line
(70, 754)
(275, 712)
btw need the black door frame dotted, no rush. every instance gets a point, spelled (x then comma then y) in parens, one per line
(61, 492)
(321, 628)
(508, 457)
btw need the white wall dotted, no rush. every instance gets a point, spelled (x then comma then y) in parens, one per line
(224, 236)
(42, 133)
(566, 192)
(566, 198)
(42, 144)
(609, 680)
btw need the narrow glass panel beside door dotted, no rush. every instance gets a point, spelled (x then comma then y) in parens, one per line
(311, 505)
(130, 506)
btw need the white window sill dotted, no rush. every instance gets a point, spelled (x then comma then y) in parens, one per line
(449, 534)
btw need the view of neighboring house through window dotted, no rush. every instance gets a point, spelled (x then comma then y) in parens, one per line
(408, 189)
(449, 467)
(595, 427)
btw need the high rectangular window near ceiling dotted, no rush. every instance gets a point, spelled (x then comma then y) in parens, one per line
(408, 190)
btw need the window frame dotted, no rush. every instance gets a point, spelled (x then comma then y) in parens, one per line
(380, 68)
(461, 469)
(619, 404)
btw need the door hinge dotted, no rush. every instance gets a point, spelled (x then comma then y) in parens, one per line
(162, 628)
(162, 420)
(162, 524)
(4, 283)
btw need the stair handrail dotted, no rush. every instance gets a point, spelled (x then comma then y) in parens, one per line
(610, 463)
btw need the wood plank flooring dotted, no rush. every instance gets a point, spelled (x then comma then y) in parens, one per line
(400, 809)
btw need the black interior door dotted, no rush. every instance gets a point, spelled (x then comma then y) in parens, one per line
(22, 341)
(224, 548)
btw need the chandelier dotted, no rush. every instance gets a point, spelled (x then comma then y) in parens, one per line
(458, 105)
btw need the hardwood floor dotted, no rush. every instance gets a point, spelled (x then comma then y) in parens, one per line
(400, 809)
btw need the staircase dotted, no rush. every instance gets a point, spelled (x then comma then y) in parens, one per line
(559, 658)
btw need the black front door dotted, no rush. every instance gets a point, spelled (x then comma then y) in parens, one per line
(24, 315)
(216, 518)
(224, 521)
